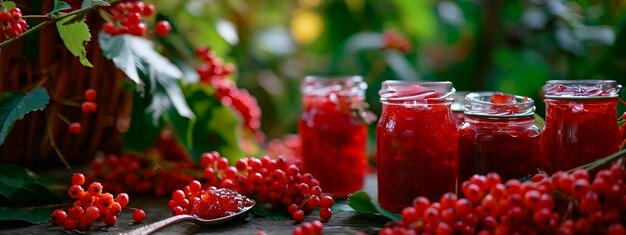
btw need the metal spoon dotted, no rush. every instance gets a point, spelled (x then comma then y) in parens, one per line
(150, 228)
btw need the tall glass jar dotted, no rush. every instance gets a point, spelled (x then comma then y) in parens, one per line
(416, 140)
(581, 122)
(333, 131)
(498, 135)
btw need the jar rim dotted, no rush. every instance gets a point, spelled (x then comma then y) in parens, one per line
(392, 91)
(319, 85)
(479, 104)
(604, 89)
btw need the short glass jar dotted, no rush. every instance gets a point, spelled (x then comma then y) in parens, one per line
(499, 135)
(416, 140)
(333, 132)
(581, 122)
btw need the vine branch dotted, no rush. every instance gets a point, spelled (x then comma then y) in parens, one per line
(49, 19)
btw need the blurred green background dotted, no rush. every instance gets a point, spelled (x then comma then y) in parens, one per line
(508, 46)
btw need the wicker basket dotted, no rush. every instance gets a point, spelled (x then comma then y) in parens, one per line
(55, 68)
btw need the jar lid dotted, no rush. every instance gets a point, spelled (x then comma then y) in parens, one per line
(581, 89)
(459, 100)
(404, 92)
(498, 105)
(341, 85)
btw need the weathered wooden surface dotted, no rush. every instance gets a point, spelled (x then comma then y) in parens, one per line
(342, 222)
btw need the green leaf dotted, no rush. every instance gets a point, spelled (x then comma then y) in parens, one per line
(35, 215)
(75, 36)
(146, 67)
(90, 3)
(217, 128)
(8, 5)
(264, 211)
(14, 105)
(60, 6)
(362, 203)
(23, 197)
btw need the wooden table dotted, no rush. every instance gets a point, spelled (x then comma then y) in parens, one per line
(344, 221)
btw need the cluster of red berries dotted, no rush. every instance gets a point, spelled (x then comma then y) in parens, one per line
(267, 180)
(214, 72)
(396, 41)
(127, 19)
(141, 175)
(92, 206)
(314, 227)
(11, 23)
(565, 203)
(89, 106)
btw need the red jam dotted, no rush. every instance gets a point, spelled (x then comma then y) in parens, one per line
(498, 135)
(581, 122)
(416, 141)
(333, 131)
(219, 203)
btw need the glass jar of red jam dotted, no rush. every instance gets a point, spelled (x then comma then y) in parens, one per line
(581, 122)
(416, 141)
(498, 135)
(333, 131)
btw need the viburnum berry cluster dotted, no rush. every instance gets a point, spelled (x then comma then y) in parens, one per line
(128, 19)
(214, 72)
(565, 203)
(88, 106)
(91, 206)
(139, 174)
(267, 180)
(11, 23)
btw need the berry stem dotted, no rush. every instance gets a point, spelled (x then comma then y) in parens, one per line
(70, 103)
(600, 162)
(51, 20)
(53, 144)
(63, 118)
(39, 17)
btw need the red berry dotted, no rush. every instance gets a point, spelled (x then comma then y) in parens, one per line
(74, 128)
(298, 216)
(139, 215)
(69, 224)
(325, 213)
(95, 189)
(138, 29)
(5, 16)
(292, 208)
(148, 10)
(110, 220)
(58, 217)
(92, 213)
(78, 179)
(75, 192)
(89, 107)
(91, 94)
(123, 199)
(110, 28)
(327, 201)
(163, 28)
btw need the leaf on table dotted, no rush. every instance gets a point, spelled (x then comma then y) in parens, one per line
(8, 5)
(35, 215)
(23, 196)
(15, 105)
(362, 203)
(75, 36)
(267, 212)
(146, 67)
(60, 6)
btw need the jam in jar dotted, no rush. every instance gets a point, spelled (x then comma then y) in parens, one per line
(581, 122)
(333, 131)
(498, 135)
(416, 141)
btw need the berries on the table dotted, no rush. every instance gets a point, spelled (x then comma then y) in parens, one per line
(78, 179)
(325, 213)
(298, 216)
(74, 128)
(327, 201)
(139, 216)
(163, 28)
(58, 217)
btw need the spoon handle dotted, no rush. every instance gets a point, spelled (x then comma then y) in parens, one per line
(150, 228)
